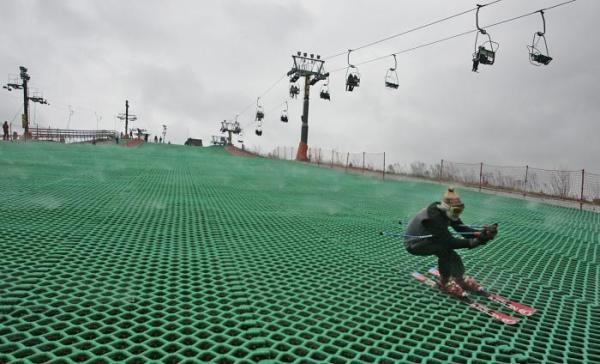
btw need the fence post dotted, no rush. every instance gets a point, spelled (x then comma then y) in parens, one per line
(363, 169)
(581, 199)
(383, 165)
(525, 187)
(441, 170)
(480, 175)
(332, 151)
(347, 158)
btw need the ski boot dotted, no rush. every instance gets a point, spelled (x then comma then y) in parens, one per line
(469, 284)
(453, 289)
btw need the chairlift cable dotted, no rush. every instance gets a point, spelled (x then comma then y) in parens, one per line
(454, 36)
(17, 113)
(416, 47)
(252, 122)
(246, 108)
(412, 30)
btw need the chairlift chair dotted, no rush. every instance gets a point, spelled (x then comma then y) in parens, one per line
(391, 76)
(260, 114)
(236, 128)
(324, 94)
(486, 55)
(352, 75)
(537, 56)
(485, 52)
(294, 90)
(258, 130)
(284, 114)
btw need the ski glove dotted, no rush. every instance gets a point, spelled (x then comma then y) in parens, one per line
(490, 231)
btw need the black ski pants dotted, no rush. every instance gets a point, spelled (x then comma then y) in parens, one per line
(449, 262)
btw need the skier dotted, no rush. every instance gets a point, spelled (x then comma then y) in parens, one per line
(427, 234)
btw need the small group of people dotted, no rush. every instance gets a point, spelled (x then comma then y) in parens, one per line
(352, 82)
(427, 235)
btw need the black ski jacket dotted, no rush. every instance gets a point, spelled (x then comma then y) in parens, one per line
(433, 221)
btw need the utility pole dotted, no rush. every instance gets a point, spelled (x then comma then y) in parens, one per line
(311, 68)
(126, 117)
(26, 98)
(164, 132)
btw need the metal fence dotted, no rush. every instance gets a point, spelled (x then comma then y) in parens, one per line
(72, 135)
(569, 185)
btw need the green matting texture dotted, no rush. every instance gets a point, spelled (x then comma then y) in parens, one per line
(174, 254)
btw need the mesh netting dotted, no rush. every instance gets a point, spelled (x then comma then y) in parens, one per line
(570, 186)
(591, 187)
(169, 254)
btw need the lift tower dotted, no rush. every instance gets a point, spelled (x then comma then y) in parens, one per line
(127, 117)
(26, 98)
(311, 68)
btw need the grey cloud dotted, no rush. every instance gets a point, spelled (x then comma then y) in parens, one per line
(194, 63)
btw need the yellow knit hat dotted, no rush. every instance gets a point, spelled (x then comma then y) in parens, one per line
(451, 198)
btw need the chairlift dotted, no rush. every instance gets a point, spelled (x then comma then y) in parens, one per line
(324, 93)
(537, 56)
(391, 76)
(260, 113)
(236, 128)
(485, 52)
(223, 126)
(352, 75)
(294, 90)
(258, 130)
(284, 113)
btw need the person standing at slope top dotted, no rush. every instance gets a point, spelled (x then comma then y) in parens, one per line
(427, 234)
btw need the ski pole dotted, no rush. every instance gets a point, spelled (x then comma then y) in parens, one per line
(477, 226)
(399, 235)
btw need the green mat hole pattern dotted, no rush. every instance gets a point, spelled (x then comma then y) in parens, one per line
(172, 254)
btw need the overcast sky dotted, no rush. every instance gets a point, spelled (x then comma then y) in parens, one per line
(191, 64)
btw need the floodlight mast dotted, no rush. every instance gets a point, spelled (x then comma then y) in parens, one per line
(311, 68)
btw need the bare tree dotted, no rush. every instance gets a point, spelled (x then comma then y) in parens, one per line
(418, 169)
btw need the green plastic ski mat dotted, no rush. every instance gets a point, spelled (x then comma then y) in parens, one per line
(173, 254)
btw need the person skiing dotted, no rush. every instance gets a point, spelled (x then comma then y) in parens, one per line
(427, 234)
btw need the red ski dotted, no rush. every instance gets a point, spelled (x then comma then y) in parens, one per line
(502, 317)
(515, 306)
